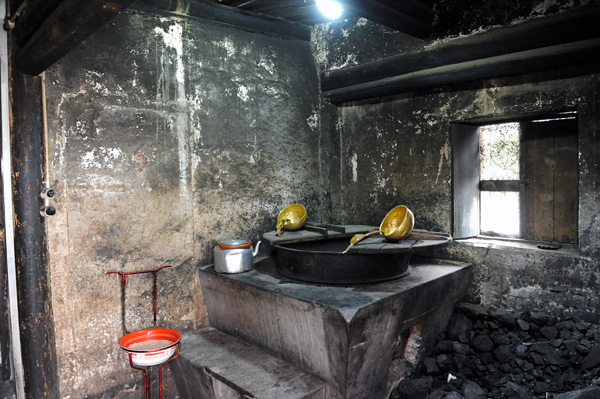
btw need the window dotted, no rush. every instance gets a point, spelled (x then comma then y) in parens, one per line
(499, 173)
(517, 179)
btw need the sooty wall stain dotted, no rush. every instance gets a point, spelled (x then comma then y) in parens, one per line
(397, 151)
(167, 135)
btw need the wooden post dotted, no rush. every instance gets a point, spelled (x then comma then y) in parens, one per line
(35, 306)
(4, 311)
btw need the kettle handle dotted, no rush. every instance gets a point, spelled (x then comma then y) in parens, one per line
(255, 252)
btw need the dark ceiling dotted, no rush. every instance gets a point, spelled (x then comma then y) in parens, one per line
(413, 17)
(45, 30)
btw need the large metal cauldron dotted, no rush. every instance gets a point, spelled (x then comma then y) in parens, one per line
(323, 261)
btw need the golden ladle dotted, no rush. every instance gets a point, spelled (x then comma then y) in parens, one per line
(359, 237)
(292, 217)
(396, 226)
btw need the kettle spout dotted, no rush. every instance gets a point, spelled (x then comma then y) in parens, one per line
(255, 252)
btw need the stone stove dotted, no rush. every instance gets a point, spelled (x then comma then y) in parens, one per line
(359, 340)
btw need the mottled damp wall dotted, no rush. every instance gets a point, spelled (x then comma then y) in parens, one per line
(398, 151)
(351, 42)
(166, 135)
(457, 18)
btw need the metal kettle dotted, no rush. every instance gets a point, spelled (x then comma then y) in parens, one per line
(234, 256)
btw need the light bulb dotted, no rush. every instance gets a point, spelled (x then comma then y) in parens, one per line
(330, 8)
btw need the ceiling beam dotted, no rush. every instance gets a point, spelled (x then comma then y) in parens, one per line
(412, 8)
(225, 15)
(571, 26)
(576, 54)
(301, 9)
(238, 3)
(33, 13)
(298, 13)
(388, 16)
(269, 5)
(69, 24)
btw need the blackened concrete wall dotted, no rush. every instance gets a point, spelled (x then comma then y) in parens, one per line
(397, 151)
(352, 42)
(167, 135)
(456, 18)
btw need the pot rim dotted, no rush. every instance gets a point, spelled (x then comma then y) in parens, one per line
(234, 244)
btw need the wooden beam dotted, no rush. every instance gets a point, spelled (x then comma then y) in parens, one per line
(501, 185)
(69, 24)
(580, 53)
(38, 344)
(412, 8)
(388, 16)
(267, 6)
(313, 18)
(5, 366)
(32, 16)
(213, 12)
(293, 10)
(579, 24)
(297, 13)
(239, 3)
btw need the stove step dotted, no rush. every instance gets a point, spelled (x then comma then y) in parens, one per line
(214, 365)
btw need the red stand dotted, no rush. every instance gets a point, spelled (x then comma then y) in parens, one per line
(123, 277)
(146, 369)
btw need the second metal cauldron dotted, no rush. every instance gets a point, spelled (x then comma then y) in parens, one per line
(323, 261)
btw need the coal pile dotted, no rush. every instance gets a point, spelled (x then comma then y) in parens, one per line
(492, 353)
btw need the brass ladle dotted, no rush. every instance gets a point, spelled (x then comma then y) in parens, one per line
(359, 237)
(292, 217)
(396, 226)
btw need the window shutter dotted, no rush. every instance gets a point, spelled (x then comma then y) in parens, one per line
(550, 164)
(465, 180)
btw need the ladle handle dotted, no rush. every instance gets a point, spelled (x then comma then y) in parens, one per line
(359, 237)
(280, 226)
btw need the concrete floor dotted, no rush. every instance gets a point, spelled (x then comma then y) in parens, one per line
(7, 390)
(136, 391)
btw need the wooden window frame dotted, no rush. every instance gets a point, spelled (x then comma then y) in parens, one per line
(467, 184)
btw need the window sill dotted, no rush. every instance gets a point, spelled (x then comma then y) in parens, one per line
(530, 246)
